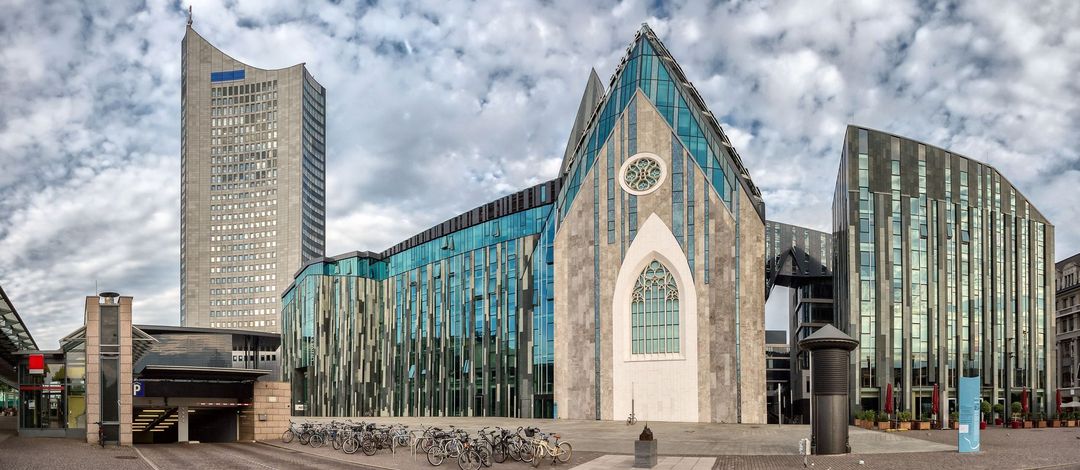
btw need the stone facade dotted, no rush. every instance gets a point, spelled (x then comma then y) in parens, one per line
(268, 415)
(658, 390)
(93, 307)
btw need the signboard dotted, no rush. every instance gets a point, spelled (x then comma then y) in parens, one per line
(37, 364)
(968, 423)
(298, 407)
(137, 389)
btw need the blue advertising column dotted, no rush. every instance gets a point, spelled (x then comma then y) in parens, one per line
(968, 422)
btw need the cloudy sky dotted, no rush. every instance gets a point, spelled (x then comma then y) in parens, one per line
(437, 106)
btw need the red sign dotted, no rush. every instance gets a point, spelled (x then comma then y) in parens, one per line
(37, 364)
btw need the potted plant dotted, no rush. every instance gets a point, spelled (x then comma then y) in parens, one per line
(1017, 415)
(859, 415)
(883, 422)
(869, 418)
(985, 408)
(954, 418)
(1056, 421)
(999, 410)
(1040, 419)
(903, 420)
(1070, 419)
(923, 423)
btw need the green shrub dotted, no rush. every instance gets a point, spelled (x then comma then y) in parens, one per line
(1017, 408)
(904, 416)
(985, 406)
(999, 408)
(869, 415)
(953, 416)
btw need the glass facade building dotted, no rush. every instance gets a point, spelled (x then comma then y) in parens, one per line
(943, 270)
(442, 324)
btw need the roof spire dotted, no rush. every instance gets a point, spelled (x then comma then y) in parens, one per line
(189, 16)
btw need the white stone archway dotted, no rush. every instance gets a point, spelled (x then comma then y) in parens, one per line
(664, 387)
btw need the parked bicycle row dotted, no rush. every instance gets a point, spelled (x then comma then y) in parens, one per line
(472, 451)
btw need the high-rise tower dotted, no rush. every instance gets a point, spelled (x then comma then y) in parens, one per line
(252, 211)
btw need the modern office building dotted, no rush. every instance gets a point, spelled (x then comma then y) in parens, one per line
(1067, 315)
(632, 282)
(943, 270)
(252, 185)
(800, 259)
(777, 376)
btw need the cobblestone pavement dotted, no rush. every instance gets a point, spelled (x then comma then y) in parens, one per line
(237, 455)
(1057, 448)
(19, 453)
(405, 460)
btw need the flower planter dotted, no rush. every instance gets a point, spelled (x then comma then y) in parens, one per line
(884, 425)
(1040, 423)
(1015, 424)
(858, 422)
(1028, 424)
(921, 425)
(904, 425)
(982, 424)
(997, 421)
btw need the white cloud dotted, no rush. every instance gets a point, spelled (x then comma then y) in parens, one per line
(435, 107)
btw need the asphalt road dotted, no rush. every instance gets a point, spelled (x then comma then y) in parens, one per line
(235, 456)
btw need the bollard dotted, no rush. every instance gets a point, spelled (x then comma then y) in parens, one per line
(829, 377)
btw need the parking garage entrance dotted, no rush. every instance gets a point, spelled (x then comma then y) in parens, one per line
(193, 404)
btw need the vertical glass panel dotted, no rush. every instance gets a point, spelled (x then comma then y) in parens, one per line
(110, 324)
(110, 391)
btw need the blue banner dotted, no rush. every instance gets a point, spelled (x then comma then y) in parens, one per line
(969, 401)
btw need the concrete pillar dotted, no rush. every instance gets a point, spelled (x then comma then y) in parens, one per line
(182, 424)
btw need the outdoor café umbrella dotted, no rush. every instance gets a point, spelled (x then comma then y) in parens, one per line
(1059, 401)
(1024, 401)
(888, 400)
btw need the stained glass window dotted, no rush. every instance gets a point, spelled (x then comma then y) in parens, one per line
(654, 311)
(642, 174)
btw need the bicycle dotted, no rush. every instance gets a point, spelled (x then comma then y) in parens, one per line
(543, 448)
(474, 454)
(291, 433)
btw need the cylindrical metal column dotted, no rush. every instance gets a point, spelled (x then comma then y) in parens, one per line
(830, 350)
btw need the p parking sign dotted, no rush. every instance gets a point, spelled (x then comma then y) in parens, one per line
(137, 389)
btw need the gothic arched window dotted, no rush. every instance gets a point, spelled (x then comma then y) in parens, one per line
(654, 311)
